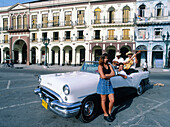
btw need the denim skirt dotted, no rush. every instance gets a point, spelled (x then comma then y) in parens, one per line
(105, 87)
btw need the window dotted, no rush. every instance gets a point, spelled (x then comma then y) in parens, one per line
(25, 21)
(159, 9)
(97, 34)
(80, 35)
(56, 19)
(13, 22)
(5, 38)
(80, 17)
(142, 10)
(67, 35)
(142, 34)
(44, 20)
(5, 24)
(126, 12)
(126, 34)
(111, 34)
(34, 37)
(19, 22)
(97, 16)
(55, 36)
(44, 35)
(34, 21)
(158, 33)
(111, 14)
(68, 18)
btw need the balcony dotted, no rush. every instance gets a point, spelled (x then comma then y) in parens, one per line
(80, 38)
(113, 21)
(34, 40)
(80, 22)
(55, 39)
(5, 41)
(126, 37)
(19, 28)
(111, 37)
(68, 38)
(153, 20)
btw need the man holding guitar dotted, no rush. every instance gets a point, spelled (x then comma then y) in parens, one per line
(130, 63)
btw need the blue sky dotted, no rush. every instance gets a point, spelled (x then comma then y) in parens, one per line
(12, 2)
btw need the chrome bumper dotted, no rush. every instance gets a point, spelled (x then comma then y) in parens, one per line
(57, 105)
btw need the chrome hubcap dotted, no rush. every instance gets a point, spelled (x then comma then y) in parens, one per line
(88, 108)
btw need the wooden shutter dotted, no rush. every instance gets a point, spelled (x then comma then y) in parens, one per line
(19, 22)
(14, 22)
(111, 35)
(56, 19)
(6, 38)
(5, 23)
(126, 34)
(25, 22)
(34, 21)
(80, 17)
(97, 15)
(68, 18)
(113, 15)
(45, 20)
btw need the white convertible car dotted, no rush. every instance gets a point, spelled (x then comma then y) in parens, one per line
(74, 93)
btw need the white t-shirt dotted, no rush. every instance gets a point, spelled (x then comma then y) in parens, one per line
(120, 60)
(122, 72)
(133, 65)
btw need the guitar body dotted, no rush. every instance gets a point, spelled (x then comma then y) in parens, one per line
(128, 65)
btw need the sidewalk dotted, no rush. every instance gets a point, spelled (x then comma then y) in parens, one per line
(71, 68)
(41, 67)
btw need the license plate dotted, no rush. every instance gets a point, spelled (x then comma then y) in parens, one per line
(44, 104)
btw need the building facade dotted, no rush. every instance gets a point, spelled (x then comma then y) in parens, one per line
(153, 20)
(77, 31)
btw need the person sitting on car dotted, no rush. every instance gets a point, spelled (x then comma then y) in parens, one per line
(121, 72)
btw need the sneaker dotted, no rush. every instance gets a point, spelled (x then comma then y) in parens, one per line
(107, 118)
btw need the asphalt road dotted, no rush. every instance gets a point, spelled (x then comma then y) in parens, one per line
(20, 107)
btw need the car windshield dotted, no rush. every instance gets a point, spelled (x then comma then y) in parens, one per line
(90, 67)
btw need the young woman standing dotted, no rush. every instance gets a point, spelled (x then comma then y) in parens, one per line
(104, 87)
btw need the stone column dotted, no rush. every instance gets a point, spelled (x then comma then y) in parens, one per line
(50, 56)
(39, 54)
(61, 55)
(2, 56)
(73, 56)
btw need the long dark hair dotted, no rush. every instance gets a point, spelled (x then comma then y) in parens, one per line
(102, 57)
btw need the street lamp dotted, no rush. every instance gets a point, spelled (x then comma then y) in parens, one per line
(166, 43)
(46, 41)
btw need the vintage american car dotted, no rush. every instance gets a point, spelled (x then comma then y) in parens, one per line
(74, 93)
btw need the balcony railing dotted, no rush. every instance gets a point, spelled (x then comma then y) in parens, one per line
(111, 37)
(113, 21)
(19, 27)
(5, 41)
(149, 19)
(158, 37)
(80, 38)
(5, 28)
(55, 39)
(126, 37)
(80, 22)
(34, 40)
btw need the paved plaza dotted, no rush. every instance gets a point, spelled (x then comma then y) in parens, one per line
(20, 107)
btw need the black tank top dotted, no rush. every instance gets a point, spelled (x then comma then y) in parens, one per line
(106, 71)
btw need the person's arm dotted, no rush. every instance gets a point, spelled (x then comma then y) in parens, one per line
(123, 76)
(111, 74)
(100, 69)
(136, 61)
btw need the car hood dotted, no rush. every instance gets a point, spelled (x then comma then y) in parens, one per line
(76, 80)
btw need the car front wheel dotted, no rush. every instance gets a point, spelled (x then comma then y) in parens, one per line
(89, 109)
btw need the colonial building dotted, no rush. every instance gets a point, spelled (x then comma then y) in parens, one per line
(153, 20)
(78, 30)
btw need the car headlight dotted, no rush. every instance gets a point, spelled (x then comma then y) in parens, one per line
(66, 89)
(39, 79)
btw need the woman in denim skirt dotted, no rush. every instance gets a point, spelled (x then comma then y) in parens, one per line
(104, 87)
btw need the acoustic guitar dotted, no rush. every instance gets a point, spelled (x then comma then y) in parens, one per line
(128, 65)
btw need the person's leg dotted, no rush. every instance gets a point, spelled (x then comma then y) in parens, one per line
(111, 102)
(103, 104)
